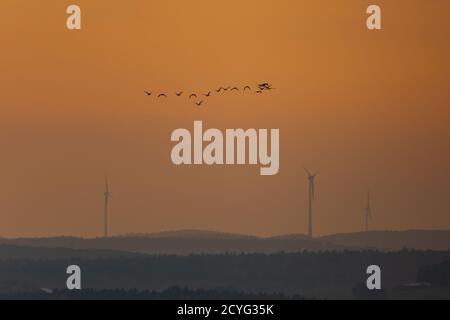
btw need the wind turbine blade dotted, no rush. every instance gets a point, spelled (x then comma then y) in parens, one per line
(307, 171)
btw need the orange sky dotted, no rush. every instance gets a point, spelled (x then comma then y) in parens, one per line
(368, 110)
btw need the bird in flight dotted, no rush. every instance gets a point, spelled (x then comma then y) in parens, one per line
(148, 93)
(179, 93)
(235, 88)
(162, 95)
(265, 86)
(199, 103)
(247, 88)
(258, 92)
(220, 89)
(193, 95)
(227, 88)
(207, 94)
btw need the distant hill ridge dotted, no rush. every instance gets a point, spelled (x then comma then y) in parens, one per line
(13, 252)
(182, 242)
(191, 233)
(394, 240)
(198, 241)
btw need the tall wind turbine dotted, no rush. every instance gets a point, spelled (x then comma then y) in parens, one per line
(311, 179)
(368, 212)
(107, 195)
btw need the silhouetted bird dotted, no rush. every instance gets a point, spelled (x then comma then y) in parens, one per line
(162, 95)
(235, 88)
(199, 103)
(247, 88)
(193, 95)
(220, 89)
(227, 88)
(179, 93)
(265, 86)
(148, 93)
(207, 94)
(259, 91)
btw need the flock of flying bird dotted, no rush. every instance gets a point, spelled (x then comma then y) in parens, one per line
(259, 90)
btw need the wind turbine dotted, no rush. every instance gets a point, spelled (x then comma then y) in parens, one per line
(107, 196)
(311, 179)
(368, 212)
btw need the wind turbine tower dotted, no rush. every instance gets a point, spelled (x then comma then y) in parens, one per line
(311, 180)
(107, 196)
(368, 212)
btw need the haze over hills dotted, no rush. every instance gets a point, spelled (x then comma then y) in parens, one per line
(184, 244)
(394, 240)
(383, 240)
(196, 242)
(324, 267)
(13, 252)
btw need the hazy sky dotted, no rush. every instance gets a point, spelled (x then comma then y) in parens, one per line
(366, 109)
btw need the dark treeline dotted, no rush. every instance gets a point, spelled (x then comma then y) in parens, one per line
(186, 242)
(11, 252)
(179, 245)
(174, 293)
(309, 274)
